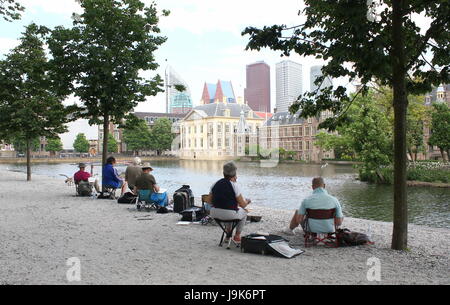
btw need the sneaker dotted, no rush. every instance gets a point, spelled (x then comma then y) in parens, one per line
(288, 231)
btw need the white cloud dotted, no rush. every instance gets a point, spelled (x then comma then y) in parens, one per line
(63, 7)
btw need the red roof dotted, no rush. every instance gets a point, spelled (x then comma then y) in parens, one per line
(263, 115)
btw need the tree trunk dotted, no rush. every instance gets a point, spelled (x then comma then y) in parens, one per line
(442, 154)
(105, 142)
(400, 231)
(28, 160)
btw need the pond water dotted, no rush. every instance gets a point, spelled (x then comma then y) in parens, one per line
(285, 186)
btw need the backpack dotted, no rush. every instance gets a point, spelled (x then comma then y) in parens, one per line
(127, 198)
(84, 188)
(346, 238)
(183, 198)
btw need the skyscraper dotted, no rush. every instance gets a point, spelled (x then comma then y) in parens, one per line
(257, 91)
(315, 72)
(288, 84)
(176, 101)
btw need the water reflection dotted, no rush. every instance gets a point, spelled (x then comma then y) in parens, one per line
(286, 185)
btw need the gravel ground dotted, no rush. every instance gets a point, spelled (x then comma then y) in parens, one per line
(42, 225)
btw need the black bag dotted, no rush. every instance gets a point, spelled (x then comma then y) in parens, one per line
(346, 238)
(127, 198)
(259, 246)
(187, 214)
(183, 198)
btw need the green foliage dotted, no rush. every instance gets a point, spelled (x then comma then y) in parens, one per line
(440, 127)
(161, 136)
(20, 144)
(81, 144)
(101, 59)
(137, 136)
(54, 144)
(425, 171)
(10, 10)
(113, 146)
(341, 144)
(29, 104)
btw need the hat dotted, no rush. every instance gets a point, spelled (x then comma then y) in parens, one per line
(147, 165)
(229, 169)
(80, 165)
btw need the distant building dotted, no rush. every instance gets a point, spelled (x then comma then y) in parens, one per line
(222, 92)
(315, 72)
(178, 102)
(440, 94)
(218, 131)
(6, 150)
(289, 81)
(257, 91)
(149, 117)
(296, 134)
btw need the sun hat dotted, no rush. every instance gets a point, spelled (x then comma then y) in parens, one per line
(80, 165)
(147, 165)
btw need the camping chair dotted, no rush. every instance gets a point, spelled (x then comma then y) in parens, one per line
(110, 191)
(225, 225)
(78, 189)
(315, 238)
(143, 200)
(207, 219)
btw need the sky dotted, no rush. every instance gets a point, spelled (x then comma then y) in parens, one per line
(204, 43)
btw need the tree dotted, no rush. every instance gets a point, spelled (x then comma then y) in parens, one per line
(101, 59)
(137, 136)
(161, 135)
(20, 144)
(54, 145)
(81, 144)
(29, 105)
(391, 50)
(440, 128)
(10, 10)
(112, 144)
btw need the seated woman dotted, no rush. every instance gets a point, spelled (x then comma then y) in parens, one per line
(110, 177)
(146, 187)
(227, 201)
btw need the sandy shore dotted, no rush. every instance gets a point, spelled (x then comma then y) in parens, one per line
(42, 224)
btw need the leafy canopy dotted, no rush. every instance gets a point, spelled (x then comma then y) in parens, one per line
(10, 10)
(29, 105)
(81, 144)
(361, 50)
(101, 59)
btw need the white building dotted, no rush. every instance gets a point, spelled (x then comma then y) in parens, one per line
(315, 72)
(289, 81)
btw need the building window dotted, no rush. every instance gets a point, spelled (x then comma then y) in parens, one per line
(219, 142)
(227, 127)
(227, 142)
(219, 127)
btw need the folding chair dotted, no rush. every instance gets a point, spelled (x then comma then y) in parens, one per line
(110, 191)
(225, 225)
(143, 200)
(78, 191)
(315, 238)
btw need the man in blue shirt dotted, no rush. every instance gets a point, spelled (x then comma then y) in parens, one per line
(110, 177)
(318, 200)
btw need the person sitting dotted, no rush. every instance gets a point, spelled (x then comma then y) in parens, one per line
(227, 200)
(146, 186)
(110, 177)
(81, 179)
(318, 200)
(133, 172)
